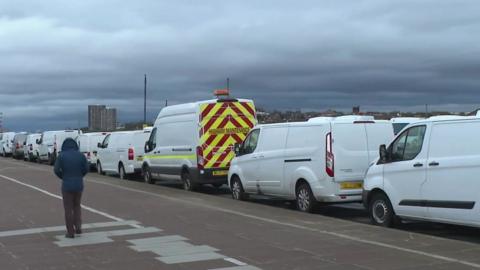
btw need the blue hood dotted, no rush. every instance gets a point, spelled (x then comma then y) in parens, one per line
(69, 144)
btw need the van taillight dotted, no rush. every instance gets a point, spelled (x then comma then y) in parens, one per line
(17, 146)
(88, 154)
(329, 158)
(200, 160)
(31, 147)
(131, 154)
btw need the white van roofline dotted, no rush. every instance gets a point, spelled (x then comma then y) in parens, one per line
(191, 107)
(447, 118)
(405, 119)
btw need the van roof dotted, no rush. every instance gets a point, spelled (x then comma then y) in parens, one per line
(441, 118)
(191, 107)
(405, 119)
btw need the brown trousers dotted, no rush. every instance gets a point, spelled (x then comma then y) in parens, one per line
(73, 214)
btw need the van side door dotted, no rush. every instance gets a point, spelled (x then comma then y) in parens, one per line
(248, 161)
(452, 188)
(271, 158)
(405, 172)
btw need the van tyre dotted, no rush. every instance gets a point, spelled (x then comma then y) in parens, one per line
(99, 168)
(238, 193)
(147, 175)
(381, 211)
(188, 184)
(305, 200)
(121, 172)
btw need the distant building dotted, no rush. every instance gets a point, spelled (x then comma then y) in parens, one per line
(110, 120)
(356, 110)
(101, 118)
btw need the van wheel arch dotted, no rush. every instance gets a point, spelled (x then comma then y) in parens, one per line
(391, 221)
(304, 198)
(186, 177)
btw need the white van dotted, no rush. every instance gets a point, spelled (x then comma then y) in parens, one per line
(50, 144)
(193, 142)
(428, 172)
(30, 148)
(315, 161)
(398, 123)
(7, 143)
(88, 145)
(122, 152)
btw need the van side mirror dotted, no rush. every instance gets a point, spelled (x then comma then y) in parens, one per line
(383, 153)
(37, 141)
(99, 145)
(147, 147)
(237, 149)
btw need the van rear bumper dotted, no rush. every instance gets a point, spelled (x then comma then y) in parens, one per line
(340, 198)
(206, 176)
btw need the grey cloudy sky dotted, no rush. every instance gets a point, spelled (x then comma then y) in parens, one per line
(58, 56)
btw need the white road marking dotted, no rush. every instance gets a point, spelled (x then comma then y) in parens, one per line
(62, 228)
(100, 237)
(235, 261)
(277, 222)
(60, 198)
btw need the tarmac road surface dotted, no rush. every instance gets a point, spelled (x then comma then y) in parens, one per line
(133, 225)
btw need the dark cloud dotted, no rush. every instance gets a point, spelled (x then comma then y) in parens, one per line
(57, 57)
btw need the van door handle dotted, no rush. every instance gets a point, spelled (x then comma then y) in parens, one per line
(433, 163)
(418, 165)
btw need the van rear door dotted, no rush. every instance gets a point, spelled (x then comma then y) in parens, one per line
(349, 144)
(223, 124)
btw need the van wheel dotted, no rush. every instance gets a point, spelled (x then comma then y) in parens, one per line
(147, 175)
(121, 172)
(238, 193)
(381, 211)
(188, 185)
(305, 200)
(99, 168)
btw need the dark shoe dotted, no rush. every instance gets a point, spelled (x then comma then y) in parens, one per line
(69, 235)
(78, 232)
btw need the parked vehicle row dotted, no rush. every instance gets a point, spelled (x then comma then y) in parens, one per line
(38, 147)
(426, 172)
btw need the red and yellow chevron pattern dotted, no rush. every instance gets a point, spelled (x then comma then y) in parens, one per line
(222, 124)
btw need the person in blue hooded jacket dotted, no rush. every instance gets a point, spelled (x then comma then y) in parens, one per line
(71, 166)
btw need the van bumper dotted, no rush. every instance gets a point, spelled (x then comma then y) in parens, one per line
(340, 198)
(206, 176)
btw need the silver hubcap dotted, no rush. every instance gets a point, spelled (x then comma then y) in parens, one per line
(303, 199)
(122, 173)
(236, 189)
(99, 168)
(379, 211)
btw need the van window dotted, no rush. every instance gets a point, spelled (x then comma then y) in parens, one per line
(273, 138)
(251, 142)
(409, 144)
(454, 140)
(105, 141)
(153, 138)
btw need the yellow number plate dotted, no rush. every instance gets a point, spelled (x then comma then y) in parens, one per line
(220, 173)
(351, 185)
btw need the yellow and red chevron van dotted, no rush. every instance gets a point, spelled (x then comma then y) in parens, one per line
(194, 142)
